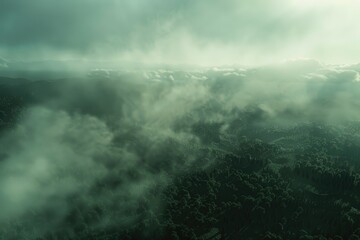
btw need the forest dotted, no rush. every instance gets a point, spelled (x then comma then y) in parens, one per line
(212, 153)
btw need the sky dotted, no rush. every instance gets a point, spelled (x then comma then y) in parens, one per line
(201, 32)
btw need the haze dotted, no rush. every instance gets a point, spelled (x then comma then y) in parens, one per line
(180, 31)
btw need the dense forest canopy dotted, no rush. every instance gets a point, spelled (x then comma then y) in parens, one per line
(214, 153)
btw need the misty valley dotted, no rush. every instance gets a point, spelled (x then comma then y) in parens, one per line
(266, 152)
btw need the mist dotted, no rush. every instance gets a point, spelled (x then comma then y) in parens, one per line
(109, 143)
(177, 119)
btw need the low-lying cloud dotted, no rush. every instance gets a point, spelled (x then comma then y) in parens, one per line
(102, 145)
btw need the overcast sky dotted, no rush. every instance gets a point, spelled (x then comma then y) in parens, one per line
(181, 31)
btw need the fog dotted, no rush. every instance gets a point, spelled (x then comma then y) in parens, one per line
(111, 138)
(169, 119)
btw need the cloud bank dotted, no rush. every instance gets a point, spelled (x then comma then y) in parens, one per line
(176, 32)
